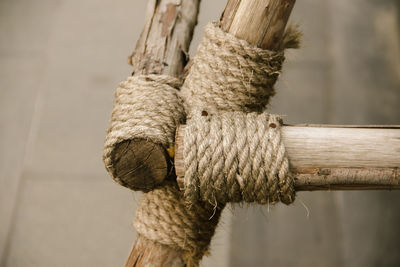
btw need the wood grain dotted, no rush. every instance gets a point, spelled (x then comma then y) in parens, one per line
(260, 23)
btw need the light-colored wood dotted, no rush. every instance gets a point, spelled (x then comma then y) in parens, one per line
(311, 147)
(161, 49)
(335, 158)
(260, 23)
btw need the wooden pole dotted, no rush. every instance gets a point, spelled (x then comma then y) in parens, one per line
(332, 157)
(162, 48)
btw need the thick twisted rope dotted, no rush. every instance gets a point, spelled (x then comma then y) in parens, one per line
(234, 157)
(223, 150)
(163, 216)
(229, 74)
(145, 107)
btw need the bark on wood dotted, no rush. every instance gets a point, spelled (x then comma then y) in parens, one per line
(333, 157)
(162, 48)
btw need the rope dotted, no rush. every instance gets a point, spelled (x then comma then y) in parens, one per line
(145, 107)
(149, 107)
(223, 152)
(227, 75)
(234, 157)
(163, 216)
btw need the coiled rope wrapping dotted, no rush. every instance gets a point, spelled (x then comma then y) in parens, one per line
(145, 107)
(163, 216)
(149, 107)
(229, 74)
(234, 157)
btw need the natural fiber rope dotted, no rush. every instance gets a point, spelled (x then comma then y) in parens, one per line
(163, 216)
(223, 162)
(149, 107)
(146, 107)
(229, 74)
(234, 157)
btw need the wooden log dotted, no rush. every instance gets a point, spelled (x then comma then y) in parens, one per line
(162, 48)
(329, 157)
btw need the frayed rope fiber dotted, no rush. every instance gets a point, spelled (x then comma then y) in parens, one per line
(145, 107)
(231, 153)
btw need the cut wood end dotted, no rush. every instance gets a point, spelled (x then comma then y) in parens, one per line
(141, 165)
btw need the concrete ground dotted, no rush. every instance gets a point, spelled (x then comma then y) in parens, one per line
(59, 64)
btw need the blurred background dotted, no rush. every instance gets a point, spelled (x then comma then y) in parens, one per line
(60, 61)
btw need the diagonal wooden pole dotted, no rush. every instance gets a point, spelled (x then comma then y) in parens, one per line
(162, 48)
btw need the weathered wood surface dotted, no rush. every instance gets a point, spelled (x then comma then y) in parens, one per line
(333, 157)
(161, 49)
(260, 23)
(149, 253)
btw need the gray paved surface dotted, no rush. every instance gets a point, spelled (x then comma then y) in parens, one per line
(59, 63)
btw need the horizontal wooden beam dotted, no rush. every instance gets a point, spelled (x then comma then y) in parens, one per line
(329, 157)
